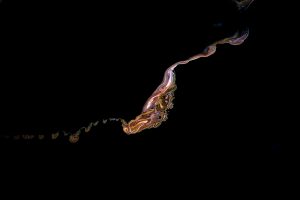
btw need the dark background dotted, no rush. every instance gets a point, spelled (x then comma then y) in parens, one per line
(64, 65)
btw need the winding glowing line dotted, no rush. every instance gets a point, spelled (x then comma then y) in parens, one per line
(155, 110)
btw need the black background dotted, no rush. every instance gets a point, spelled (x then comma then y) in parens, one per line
(65, 65)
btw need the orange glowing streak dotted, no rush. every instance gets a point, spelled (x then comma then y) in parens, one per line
(155, 110)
